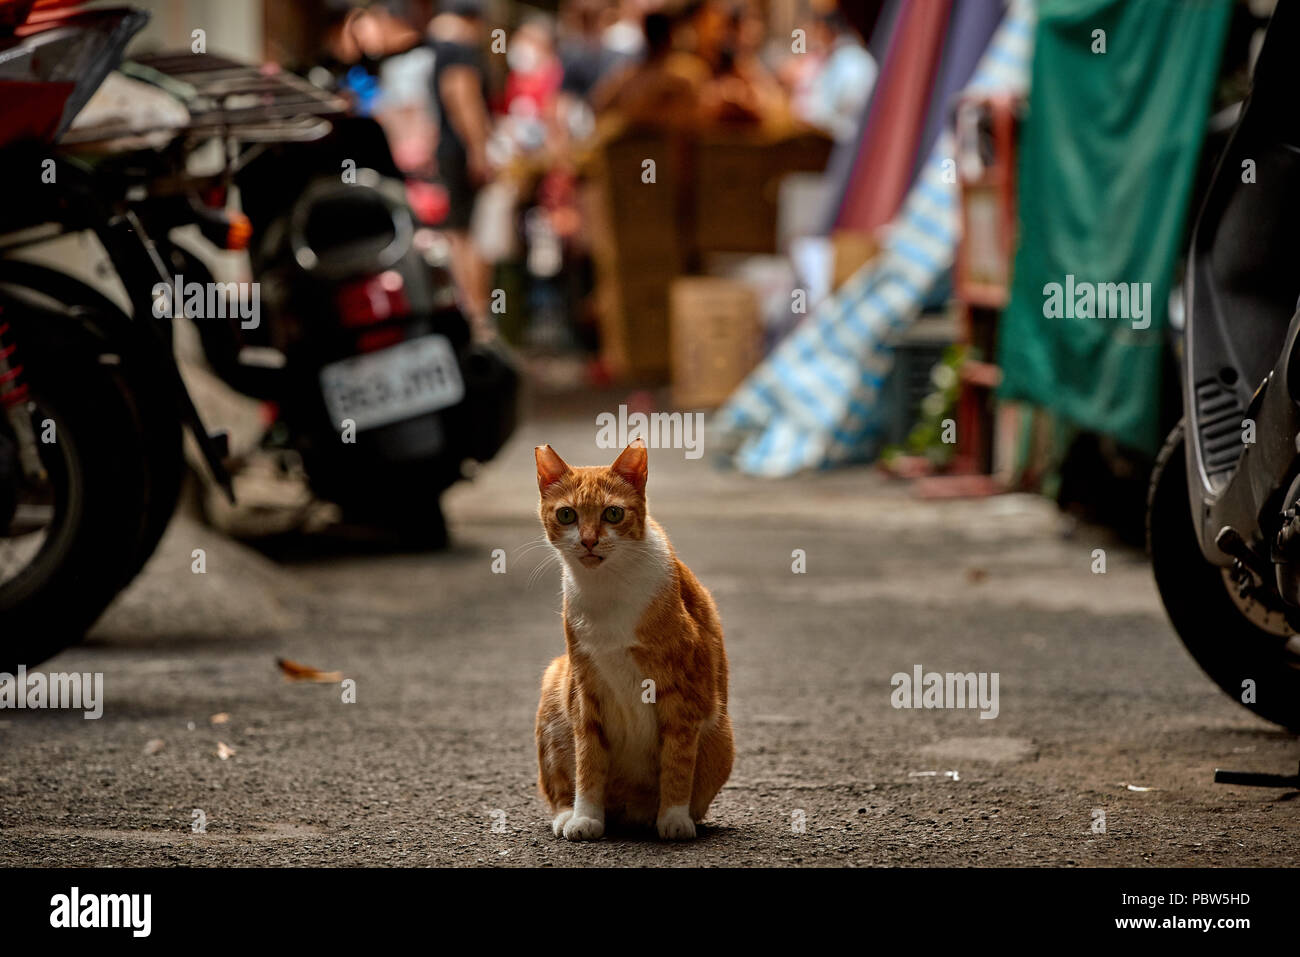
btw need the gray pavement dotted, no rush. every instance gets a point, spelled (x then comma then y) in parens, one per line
(434, 762)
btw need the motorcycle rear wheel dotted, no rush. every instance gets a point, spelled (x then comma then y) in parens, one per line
(63, 564)
(97, 325)
(1232, 642)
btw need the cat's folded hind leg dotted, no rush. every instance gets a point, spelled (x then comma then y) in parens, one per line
(712, 766)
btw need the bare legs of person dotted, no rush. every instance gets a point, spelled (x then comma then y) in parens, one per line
(470, 272)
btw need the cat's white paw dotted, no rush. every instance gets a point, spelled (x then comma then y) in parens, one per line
(583, 828)
(675, 824)
(557, 825)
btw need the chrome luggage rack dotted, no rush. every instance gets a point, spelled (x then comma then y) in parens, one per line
(225, 99)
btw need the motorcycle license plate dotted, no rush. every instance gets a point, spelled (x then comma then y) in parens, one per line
(400, 382)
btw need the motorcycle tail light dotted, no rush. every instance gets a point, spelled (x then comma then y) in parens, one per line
(373, 299)
(215, 197)
(377, 339)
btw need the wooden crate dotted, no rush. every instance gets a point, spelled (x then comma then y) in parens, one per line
(717, 338)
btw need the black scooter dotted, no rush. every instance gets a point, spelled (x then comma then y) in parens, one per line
(359, 341)
(1224, 504)
(377, 380)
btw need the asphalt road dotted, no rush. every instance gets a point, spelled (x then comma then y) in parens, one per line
(434, 762)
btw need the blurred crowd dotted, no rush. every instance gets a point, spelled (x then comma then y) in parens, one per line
(470, 100)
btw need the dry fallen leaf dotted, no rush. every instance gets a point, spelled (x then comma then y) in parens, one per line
(296, 672)
(154, 745)
(224, 751)
(220, 718)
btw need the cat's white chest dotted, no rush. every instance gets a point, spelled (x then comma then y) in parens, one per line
(605, 637)
(603, 612)
(627, 710)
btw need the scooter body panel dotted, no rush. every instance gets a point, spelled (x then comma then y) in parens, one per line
(1241, 288)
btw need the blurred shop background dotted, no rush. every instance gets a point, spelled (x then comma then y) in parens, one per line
(830, 225)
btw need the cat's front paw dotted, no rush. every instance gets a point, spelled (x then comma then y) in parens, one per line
(561, 819)
(675, 824)
(583, 828)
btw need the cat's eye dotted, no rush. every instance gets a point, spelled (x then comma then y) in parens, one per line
(613, 515)
(566, 515)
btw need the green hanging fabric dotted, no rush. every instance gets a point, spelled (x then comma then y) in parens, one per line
(1108, 152)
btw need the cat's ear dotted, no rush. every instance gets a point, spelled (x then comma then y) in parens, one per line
(550, 467)
(632, 465)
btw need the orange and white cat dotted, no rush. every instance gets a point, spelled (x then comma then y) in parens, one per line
(633, 722)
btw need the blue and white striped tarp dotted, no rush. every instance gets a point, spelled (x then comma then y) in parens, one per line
(814, 401)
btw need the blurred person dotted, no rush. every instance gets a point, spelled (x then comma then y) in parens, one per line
(623, 39)
(580, 49)
(533, 82)
(702, 31)
(798, 71)
(460, 96)
(358, 40)
(654, 91)
(380, 61)
(836, 95)
(404, 108)
(583, 60)
(741, 89)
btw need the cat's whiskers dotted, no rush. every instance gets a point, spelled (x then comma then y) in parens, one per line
(531, 546)
(550, 561)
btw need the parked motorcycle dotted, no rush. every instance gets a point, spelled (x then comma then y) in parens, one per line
(371, 363)
(90, 463)
(1223, 517)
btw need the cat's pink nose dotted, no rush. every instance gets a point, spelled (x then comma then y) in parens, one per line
(590, 542)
